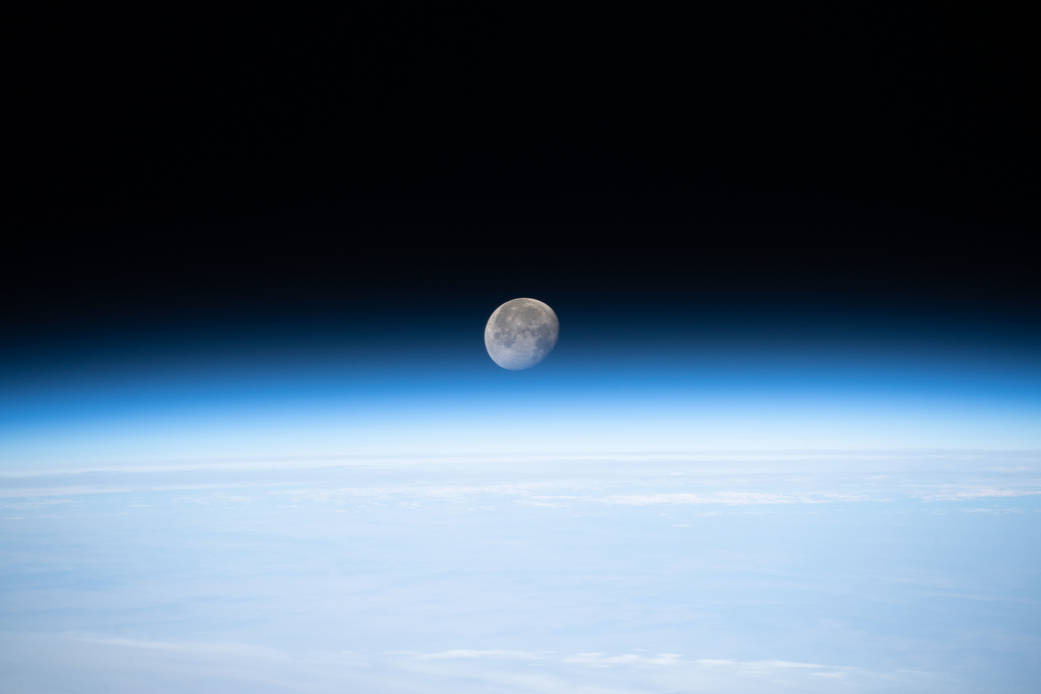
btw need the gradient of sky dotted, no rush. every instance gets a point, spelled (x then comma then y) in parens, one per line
(732, 475)
(647, 374)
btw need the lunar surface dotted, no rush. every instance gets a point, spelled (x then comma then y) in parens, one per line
(520, 333)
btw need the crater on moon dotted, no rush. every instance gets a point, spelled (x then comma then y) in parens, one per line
(520, 333)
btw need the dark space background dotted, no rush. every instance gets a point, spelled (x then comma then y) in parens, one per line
(181, 115)
(201, 172)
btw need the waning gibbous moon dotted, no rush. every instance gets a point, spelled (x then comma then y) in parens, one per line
(520, 333)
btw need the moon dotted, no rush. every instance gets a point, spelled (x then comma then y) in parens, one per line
(520, 333)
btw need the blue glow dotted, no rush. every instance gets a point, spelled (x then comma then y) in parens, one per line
(690, 394)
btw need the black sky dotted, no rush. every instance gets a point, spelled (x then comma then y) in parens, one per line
(177, 165)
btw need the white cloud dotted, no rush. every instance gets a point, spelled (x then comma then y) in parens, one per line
(77, 661)
(955, 494)
(759, 664)
(730, 498)
(469, 654)
(601, 659)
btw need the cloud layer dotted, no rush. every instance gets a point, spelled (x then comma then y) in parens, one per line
(673, 574)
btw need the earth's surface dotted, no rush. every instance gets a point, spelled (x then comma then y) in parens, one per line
(708, 573)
